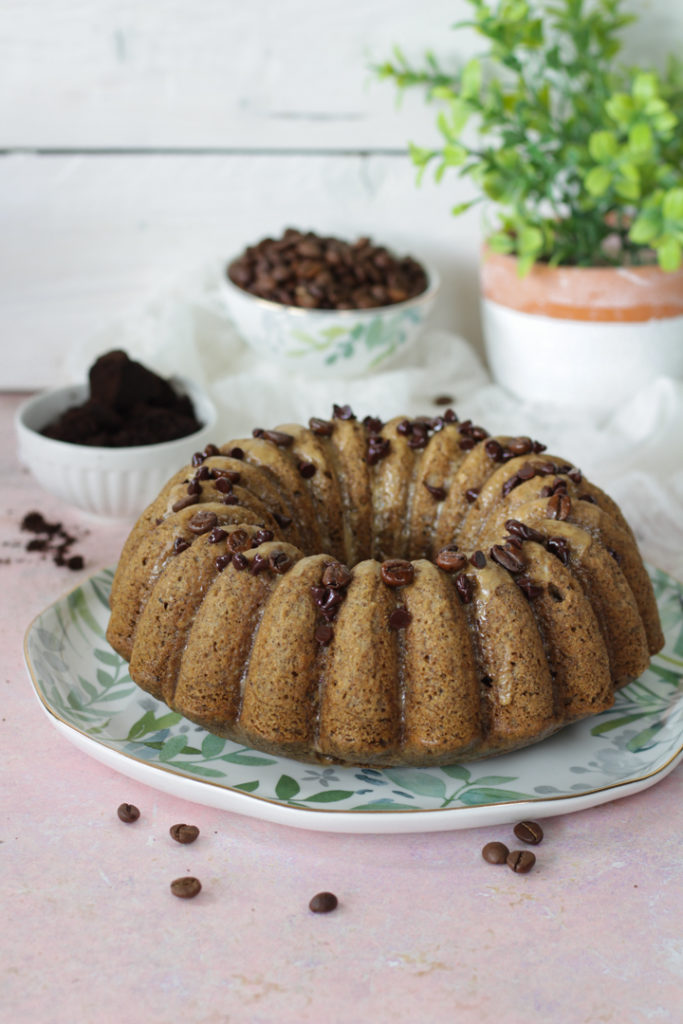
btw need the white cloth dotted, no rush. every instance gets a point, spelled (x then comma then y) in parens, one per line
(635, 452)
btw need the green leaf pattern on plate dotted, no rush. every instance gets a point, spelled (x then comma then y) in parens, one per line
(377, 340)
(86, 685)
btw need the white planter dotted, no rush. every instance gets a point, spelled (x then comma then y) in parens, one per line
(586, 337)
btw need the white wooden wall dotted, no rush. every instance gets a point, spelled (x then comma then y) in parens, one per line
(140, 142)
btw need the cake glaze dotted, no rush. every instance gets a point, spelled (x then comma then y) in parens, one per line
(410, 592)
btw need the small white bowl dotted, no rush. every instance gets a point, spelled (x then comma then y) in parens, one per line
(115, 483)
(329, 342)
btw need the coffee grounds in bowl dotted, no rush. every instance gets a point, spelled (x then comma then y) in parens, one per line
(320, 272)
(129, 405)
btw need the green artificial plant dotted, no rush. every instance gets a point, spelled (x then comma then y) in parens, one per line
(582, 156)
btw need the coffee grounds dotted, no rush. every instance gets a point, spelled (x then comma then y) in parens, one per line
(128, 406)
(51, 539)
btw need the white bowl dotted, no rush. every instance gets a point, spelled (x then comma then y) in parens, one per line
(116, 483)
(329, 342)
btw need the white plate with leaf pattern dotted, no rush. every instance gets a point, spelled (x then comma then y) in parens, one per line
(88, 694)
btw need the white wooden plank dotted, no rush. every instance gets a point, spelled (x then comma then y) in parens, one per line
(87, 240)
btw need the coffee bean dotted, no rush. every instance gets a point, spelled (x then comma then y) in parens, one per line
(478, 559)
(559, 506)
(520, 861)
(202, 521)
(323, 903)
(128, 813)
(450, 560)
(495, 853)
(529, 832)
(508, 559)
(184, 833)
(185, 888)
(520, 445)
(443, 400)
(465, 588)
(337, 576)
(397, 572)
(400, 618)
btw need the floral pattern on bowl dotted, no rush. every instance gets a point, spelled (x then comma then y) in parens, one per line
(87, 691)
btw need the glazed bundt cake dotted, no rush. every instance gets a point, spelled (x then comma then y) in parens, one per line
(411, 592)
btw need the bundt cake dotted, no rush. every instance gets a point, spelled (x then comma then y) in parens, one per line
(411, 592)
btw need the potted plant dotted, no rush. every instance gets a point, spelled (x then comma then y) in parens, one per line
(582, 157)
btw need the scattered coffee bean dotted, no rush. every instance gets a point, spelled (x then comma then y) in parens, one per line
(128, 813)
(323, 903)
(184, 833)
(529, 832)
(495, 853)
(443, 400)
(520, 861)
(185, 888)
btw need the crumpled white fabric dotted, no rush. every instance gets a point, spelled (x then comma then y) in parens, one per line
(635, 451)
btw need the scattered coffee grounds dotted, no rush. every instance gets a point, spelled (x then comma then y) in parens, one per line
(185, 888)
(128, 405)
(128, 813)
(495, 853)
(314, 272)
(323, 903)
(529, 832)
(184, 833)
(520, 861)
(51, 539)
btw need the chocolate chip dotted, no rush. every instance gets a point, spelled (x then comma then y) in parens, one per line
(180, 544)
(323, 428)
(128, 813)
(198, 458)
(194, 487)
(478, 559)
(258, 564)
(202, 521)
(223, 485)
(508, 559)
(184, 502)
(233, 475)
(450, 560)
(450, 416)
(437, 492)
(210, 450)
(521, 861)
(240, 561)
(261, 536)
(527, 471)
(495, 853)
(216, 535)
(337, 575)
(280, 562)
(230, 499)
(472, 494)
(397, 572)
(236, 453)
(323, 903)
(494, 449)
(377, 448)
(373, 424)
(529, 832)
(184, 833)
(281, 520)
(307, 469)
(589, 498)
(324, 634)
(465, 588)
(400, 618)
(186, 888)
(343, 412)
(223, 561)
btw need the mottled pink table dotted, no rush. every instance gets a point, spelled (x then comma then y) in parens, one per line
(425, 929)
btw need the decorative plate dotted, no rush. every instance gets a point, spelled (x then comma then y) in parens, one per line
(88, 694)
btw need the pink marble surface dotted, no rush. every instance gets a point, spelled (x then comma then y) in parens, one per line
(425, 930)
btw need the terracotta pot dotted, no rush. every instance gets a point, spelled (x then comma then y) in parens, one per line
(588, 336)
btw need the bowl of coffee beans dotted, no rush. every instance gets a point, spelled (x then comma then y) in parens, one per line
(325, 306)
